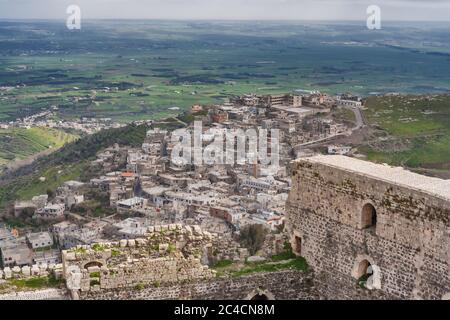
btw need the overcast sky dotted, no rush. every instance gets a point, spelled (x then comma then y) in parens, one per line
(228, 9)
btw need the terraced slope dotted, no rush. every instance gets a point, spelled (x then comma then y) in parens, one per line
(21, 143)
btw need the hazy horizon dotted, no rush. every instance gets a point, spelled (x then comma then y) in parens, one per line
(228, 10)
(225, 20)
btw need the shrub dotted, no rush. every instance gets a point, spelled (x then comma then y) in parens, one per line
(252, 237)
(79, 250)
(115, 252)
(97, 247)
(94, 282)
(140, 286)
(362, 281)
(171, 248)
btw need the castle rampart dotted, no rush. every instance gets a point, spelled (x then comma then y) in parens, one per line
(350, 218)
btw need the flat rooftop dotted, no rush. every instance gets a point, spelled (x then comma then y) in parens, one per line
(297, 110)
(395, 175)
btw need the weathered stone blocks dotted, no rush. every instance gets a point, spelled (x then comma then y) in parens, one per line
(7, 272)
(406, 238)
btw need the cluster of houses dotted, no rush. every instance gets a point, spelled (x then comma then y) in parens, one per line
(46, 118)
(144, 187)
(296, 116)
(32, 248)
(67, 195)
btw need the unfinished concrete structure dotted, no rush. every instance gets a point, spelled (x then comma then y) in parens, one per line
(353, 219)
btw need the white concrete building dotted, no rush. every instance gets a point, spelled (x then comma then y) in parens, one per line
(40, 240)
(135, 203)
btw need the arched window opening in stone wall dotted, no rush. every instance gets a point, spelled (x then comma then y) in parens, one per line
(260, 294)
(260, 297)
(368, 216)
(364, 269)
(298, 245)
(93, 264)
(368, 275)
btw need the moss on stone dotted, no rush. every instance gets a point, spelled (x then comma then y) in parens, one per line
(36, 282)
(139, 286)
(78, 250)
(222, 264)
(297, 263)
(97, 247)
(115, 252)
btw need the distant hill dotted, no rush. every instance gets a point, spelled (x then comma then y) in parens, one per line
(140, 69)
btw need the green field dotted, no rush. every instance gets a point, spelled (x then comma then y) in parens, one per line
(420, 126)
(20, 143)
(131, 70)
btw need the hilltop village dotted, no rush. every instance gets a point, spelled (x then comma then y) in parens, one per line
(47, 118)
(136, 191)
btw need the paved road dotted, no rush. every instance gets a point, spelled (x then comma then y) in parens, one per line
(360, 122)
(321, 140)
(359, 116)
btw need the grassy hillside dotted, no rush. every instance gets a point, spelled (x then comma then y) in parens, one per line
(418, 128)
(70, 162)
(20, 143)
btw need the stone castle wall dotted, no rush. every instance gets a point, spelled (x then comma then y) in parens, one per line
(280, 285)
(276, 285)
(45, 294)
(168, 254)
(35, 270)
(407, 246)
(162, 265)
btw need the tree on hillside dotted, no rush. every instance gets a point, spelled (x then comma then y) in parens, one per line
(252, 237)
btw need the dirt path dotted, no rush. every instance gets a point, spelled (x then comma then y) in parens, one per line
(179, 121)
